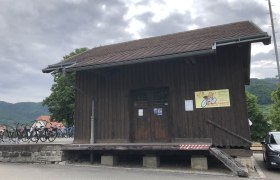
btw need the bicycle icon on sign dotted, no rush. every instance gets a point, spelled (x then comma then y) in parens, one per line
(208, 100)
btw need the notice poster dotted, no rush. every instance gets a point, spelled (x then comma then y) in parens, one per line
(158, 111)
(140, 112)
(212, 98)
(188, 105)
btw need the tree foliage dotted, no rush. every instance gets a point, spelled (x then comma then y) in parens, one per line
(74, 53)
(61, 100)
(274, 116)
(260, 126)
(262, 88)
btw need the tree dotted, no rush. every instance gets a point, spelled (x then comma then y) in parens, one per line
(262, 88)
(62, 97)
(274, 116)
(74, 53)
(260, 126)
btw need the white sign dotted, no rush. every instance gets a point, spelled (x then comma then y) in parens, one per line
(158, 111)
(140, 112)
(188, 105)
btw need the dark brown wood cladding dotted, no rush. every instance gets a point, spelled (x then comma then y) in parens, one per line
(111, 87)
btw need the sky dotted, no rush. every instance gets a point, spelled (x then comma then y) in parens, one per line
(37, 33)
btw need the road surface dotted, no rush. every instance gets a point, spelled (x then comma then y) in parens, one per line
(14, 171)
(269, 174)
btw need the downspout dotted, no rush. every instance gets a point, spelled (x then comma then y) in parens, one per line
(92, 138)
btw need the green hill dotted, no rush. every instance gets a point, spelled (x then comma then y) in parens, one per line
(20, 112)
(262, 88)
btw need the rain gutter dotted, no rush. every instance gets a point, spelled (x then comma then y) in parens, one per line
(262, 37)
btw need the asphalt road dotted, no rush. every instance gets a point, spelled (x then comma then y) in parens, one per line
(269, 174)
(13, 171)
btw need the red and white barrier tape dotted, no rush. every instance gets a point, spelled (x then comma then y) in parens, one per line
(194, 146)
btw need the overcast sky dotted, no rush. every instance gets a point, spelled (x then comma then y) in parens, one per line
(36, 33)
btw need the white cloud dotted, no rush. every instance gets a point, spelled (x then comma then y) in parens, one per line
(134, 28)
(260, 47)
(192, 27)
(76, 1)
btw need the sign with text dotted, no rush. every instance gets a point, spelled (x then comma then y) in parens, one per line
(158, 111)
(212, 98)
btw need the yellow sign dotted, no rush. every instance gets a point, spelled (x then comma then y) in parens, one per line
(212, 98)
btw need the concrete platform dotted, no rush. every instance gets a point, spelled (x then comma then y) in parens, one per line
(139, 146)
(151, 161)
(109, 160)
(199, 163)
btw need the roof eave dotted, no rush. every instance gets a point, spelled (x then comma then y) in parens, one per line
(260, 37)
(142, 60)
(55, 67)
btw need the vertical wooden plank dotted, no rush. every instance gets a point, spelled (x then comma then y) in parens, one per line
(108, 119)
(181, 97)
(190, 95)
(121, 100)
(98, 108)
(187, 96)
(77, 109)
(126, 104)
(103, 106)
(110, 90)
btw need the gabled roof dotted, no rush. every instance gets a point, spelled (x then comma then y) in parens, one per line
(167, 46)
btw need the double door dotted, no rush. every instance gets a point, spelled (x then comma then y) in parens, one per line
(150, 115)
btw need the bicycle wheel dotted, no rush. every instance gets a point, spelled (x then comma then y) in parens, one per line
(59, 134)
(52, 136)
(5, 136)
(13, 136)
(204, 103)
(34, 136)
(20, 134)
(1, 135)
(25, 136)
(43, 135)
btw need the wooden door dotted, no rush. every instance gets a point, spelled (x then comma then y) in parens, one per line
(150, 115)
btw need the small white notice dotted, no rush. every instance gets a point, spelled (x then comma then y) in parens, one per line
(140, 112)
(188, 105)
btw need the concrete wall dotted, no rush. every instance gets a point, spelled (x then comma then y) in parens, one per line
(31, 153)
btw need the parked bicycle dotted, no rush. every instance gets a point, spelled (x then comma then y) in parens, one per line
(8, 134)
(34, 131)
(49, 132)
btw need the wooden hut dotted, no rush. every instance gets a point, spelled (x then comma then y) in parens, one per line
(182, 87)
